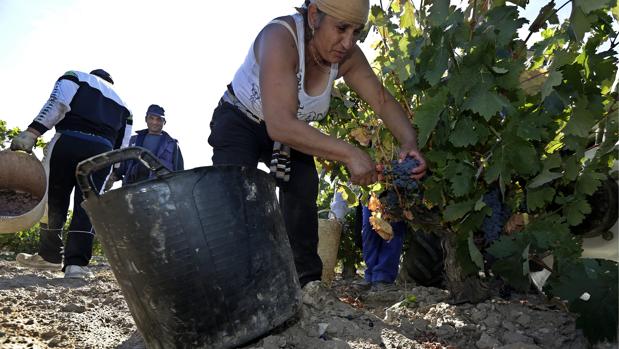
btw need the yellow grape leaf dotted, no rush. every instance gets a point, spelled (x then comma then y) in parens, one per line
(531, 81)
(374, 204)
(381, 227)
(361, 135)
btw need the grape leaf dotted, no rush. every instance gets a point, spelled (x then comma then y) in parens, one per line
(576, 210)
(512, 270)
(591, 5)
(461, 178)
(485, 103)
(438, 12)
(579, 23)
(554, 79)
(581, 121)
(407, 19)
(437, 66)
(544, 177)
(537, 198)
(523, 154)
(461, 82)
(498, 167)
(427, 116)
(457, 210)
(505, 20)
(464, 133)
(589, 181)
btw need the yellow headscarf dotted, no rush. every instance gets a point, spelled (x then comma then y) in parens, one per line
(352, 11)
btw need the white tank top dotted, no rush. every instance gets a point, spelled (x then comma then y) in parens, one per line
(246, 84)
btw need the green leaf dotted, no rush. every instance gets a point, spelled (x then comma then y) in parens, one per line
(591, 5)
(506, 246)
(576, 210)
(561, 58)
(437, 67)
(523, 155)
(615, 12)
(499, 70)
(588, 182)
(537, 198)
(395, 6)
(554, 79)
(498, 167)
(460, 176)
(464, 133)
(438, 12)
(427, 116)
(512, 270)
(461, 82)
(433, 192)
(579, 23)
(534, 126)
(348, 195)
(544, 177)
(455, 211)
(581, 122)
(476, 256)
(485, 103)
(407, 19)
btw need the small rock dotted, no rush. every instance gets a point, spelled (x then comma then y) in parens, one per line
(487, 342)
(492, 320)
(524, 320)
(48, 335)
(515, 337)
(73, 308)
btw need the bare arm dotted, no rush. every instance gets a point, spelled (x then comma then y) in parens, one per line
(361, 78)
(277, 54)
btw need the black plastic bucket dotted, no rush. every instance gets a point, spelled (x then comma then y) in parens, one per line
(202, 255)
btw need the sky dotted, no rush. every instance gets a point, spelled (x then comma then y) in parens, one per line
(180, 55)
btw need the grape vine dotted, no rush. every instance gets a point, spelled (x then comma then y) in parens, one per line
(493, 110)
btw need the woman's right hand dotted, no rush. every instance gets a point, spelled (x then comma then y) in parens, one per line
(361, 168)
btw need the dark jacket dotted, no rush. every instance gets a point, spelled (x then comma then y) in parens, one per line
(167, 151)
(95, 109)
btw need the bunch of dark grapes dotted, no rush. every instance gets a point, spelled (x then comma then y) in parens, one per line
(399, 173)
(390, 204)
(404, 190)
(493, 224)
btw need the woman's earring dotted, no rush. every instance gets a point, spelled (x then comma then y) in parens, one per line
(313, 30)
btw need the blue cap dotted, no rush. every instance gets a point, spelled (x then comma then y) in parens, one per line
(103, 75)
(154, 109)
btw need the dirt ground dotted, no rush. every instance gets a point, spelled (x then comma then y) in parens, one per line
(41, 309)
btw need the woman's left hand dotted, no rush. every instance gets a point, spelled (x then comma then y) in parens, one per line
(420, 170)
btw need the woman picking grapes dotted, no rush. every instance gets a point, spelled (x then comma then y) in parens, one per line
(284, 83)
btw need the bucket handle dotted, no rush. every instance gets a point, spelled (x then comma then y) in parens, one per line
(98, 162)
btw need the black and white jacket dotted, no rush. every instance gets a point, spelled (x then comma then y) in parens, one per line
(86, 103)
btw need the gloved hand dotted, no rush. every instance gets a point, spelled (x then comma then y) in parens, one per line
(24, 141)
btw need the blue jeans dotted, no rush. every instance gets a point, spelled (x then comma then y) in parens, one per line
(66, 153)
(381, 257)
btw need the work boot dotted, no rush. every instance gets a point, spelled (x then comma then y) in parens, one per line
(382, 286)
(361, 285)
(36, 261)
(77, 272)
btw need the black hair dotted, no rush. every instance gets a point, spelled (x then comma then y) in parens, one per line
(103, 75)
